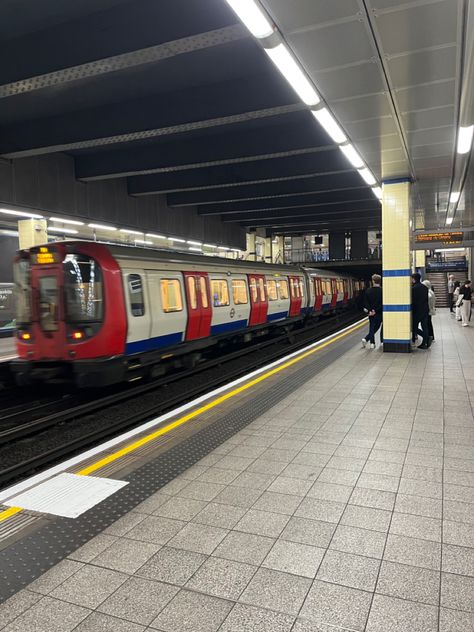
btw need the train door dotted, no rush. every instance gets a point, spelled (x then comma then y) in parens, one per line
(139, 316)
(345, 284)
(258, 299)
(199, 305)
(48, 311)
(334, 293)
(318, 292)
(295, 296)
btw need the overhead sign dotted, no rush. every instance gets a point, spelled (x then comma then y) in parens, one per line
(445, 238)
(44, 255)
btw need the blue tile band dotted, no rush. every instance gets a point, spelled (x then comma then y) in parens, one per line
(397, 341)
(396, 308)
(397, 273)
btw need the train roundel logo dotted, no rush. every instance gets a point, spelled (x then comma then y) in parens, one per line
(232, 313)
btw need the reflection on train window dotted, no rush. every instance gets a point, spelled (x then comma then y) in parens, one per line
(203, 286)
(48, 303)
(283, 284)
(326, 286)
(295, 288)
(253, 290)
(171, 299)
(135, 294)
(301, 284)
(192, 293)
(340, 286)
(239, 292)
(220, 293)
(261, 287)
(83, 289)
(272, 290)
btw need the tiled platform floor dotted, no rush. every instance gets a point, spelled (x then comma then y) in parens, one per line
(348, 506)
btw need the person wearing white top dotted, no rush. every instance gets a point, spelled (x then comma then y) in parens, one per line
(432, 308)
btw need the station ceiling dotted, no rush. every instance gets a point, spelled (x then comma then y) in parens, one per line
(178, 98)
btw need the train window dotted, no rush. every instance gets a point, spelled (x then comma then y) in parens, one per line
(239, 292)
(295, 288)
(203, 288)
(272, 290)
(301, 284)
(171, 298)
(192, 293)
(253, 290)
(48, 303)
(83, 289)
(135, 294)
(326, 286)
(340, 285)
(220, 292)
(261, 287)
(21, 276)
(283, 286)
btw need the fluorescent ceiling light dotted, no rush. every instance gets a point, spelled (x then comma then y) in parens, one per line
(178, 239)
(449, 220)
(209, 245)
(12, 233)
(465, 139)
(194, 243)
(352, 156)
(102, 227)
(293, 73)
(330, 125)
(152, 235)
(222, 248)
(454, 197)
(235, 249)
(131, 232)
(195, 249)
(66, 221)
(368, 176)
(377, 192)
(253, 17)
(143, 241)
(58, 229)
(21, 214)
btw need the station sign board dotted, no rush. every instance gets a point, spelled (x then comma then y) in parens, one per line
(444, 238)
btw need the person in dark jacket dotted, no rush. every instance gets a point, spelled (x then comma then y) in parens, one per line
(464, 301)
(373, 307)
(420, 311)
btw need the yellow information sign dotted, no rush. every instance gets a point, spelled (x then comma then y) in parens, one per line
(446, 238)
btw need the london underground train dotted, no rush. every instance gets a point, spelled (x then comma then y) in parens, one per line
(98, 314)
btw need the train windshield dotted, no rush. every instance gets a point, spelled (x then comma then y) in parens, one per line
(22, 278)
(83, 289)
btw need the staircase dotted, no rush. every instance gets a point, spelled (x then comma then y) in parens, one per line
(439, 281)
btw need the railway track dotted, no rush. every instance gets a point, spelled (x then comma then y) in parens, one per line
(29, 445)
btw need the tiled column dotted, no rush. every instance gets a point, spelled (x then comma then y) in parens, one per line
(32, 232)
(396, 266)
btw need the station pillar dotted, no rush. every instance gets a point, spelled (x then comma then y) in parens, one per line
(359, 244)
(32, 232)
(396, 266)
(337, 245)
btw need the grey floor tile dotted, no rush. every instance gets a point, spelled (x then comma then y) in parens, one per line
(413, 551)
(90, 549)
(49, 615)
(192, 612)
(416, 526)
(458, 493)
(358, 541)
(293, 486)
(337, 605)
(458, 559)
(126, 555)
(366, 518)
(244, 547)
(265, 466)
(420, 488)
(98, 622)
(317, 509)
(253, 480)
(139, 600)
(398, 615)
(295, 558)
(155, 529)
(174, 566)
(330, 491)
(276, 591)
(354, 571)
(90, 586)
(250, 619)
(346, 463)
(458, 511)
(305, 472)
(222, 578)
(458, 533)
(373, 498)
(179, 508)
(16, 605)
(409, 582)
(238, 463)
(262, 523)
(380, 482)
(152, 503)
(455, 621)
(219, 515)
(340, 477)
(175, 486)
(419, 505)
(457, 592)
(303, 625)
(305, 531)
(199, 538)
(383, 467)
(238, 496)
(55, 576)
(311, 459)
(218, 475)
(124, 524)
(277, 503)
(200, 490)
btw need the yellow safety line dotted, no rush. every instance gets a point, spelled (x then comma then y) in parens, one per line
(9, 512)
(219, 400)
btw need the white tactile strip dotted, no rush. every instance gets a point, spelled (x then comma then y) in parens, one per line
(67, 495)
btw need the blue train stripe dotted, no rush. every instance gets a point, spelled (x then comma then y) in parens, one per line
(150, 344)
(231, 326)
(276, 316)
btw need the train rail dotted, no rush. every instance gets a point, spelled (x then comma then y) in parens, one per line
(28, 446)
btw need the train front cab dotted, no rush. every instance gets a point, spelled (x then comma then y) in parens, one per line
(70, 315)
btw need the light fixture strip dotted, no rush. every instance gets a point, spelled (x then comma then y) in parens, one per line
(465, 135)
(253, 16)
(62, 220)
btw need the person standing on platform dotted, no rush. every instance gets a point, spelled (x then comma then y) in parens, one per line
(451, 288)
(432, 308)
(420, 310)
(464, 302)
(374, 309)
(457, 287)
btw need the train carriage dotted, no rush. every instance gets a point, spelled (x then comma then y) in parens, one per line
(99, 314)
